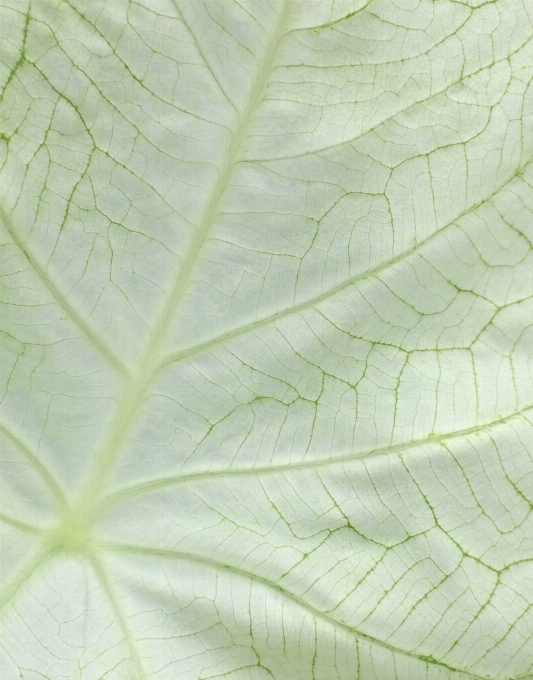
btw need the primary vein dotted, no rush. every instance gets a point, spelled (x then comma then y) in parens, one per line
(135, 389)
(339, 288)
(315, 464)
(317, 614)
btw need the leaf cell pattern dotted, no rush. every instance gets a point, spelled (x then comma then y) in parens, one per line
(266, 324)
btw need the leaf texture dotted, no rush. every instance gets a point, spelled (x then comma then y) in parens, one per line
(266, 307)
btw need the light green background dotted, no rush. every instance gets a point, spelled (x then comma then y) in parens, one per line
(266, 339)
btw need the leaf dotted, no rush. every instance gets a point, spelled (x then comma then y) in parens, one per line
(266, 330)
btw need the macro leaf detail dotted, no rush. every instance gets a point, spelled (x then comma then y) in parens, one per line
(266, 311)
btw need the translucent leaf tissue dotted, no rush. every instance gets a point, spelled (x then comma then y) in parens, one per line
(266, 339)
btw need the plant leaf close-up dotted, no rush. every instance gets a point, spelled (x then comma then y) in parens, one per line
(266, 339)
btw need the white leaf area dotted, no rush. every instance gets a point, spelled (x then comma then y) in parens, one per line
(266, 339)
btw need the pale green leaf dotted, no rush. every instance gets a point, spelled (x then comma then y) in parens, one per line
(266, 339)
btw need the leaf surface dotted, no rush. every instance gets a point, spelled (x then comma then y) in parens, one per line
(266, 326)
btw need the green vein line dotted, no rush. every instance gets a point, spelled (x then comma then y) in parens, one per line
(330, 24)
(63, 303)
(312, 302)
(156, 484)
(380, 123)
(106, 585)
(19, 524)
(198, 48)
(11, 590)
(130, 72)
(316, 613)
(135, 389)
(46, 476)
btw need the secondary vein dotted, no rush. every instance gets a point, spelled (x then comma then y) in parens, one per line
(135, 389)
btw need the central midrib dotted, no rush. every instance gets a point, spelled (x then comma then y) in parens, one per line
(135, 388)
